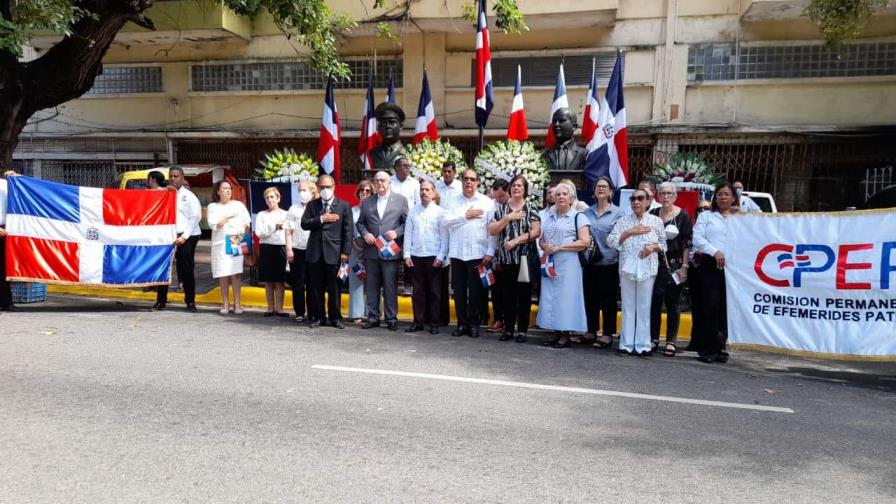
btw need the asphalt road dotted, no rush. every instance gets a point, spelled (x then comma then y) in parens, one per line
(105, 402)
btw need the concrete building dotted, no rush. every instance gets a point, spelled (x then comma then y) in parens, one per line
(745, 82)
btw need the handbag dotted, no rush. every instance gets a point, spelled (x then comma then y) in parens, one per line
(523, 276)
(591, 255)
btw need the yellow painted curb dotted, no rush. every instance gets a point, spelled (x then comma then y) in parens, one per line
(254, 297)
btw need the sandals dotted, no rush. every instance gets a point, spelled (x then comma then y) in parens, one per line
(603, 343)
(300, 319)
(670, 350)
(224, 311)
(654, 344)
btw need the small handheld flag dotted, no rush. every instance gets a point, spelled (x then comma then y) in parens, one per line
(486, 275)
(388, 248)
(360, 271)
(547, 266)
(342, 274)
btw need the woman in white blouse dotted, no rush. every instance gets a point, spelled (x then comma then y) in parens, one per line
(269, 226)
(640, 238)
(296, 244)
(228, 218)
(709, 240)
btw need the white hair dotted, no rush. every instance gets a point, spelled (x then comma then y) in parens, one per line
(667, 185)
(569, 190)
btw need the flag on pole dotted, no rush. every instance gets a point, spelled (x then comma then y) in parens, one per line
(390, 91)
(608, 149)
(65, 234)
(560, 101)
(485, 93)
(370, 136)
(328, 143)
(517, 129)
(592, 108)
(426, 115)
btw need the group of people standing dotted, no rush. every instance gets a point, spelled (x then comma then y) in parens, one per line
(577, 259)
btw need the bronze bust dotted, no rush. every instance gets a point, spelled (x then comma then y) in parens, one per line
(566, 155)
(389, 120)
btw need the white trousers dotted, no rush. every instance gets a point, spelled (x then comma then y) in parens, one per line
(636, 298)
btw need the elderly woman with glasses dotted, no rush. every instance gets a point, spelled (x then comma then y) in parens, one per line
(640, 238)
(601, 273)
(673, 269)
(357, 302)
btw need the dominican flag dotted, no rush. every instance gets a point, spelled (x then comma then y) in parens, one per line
(328, 144)
(592, 108)
(560, 101)
(388, 248)
(64, 234)
(608, 149)
(485, 93)
(370, 137)
(360, 271)
(517, 129)
(486, 275)
(390, 91)
(342, 274)
(426, 115)
(547, 266)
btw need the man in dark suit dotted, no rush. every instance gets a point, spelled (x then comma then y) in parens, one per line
(330, 221)
(382, 215)
(566, 155)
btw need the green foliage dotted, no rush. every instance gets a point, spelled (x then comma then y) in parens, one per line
(841, 20)
(384, 31)
(27, 17)
(507, 15)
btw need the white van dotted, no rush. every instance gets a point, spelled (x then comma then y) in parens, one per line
(765, 201)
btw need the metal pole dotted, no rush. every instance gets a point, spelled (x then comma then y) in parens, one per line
(481, 135)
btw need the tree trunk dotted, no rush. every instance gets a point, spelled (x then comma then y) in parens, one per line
(65, 72)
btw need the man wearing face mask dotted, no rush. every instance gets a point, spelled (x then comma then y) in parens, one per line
(746, 203)
(329, 221)
(296, 245)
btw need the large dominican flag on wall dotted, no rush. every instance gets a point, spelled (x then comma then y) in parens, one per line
(59, 233)
(425, 126)
(485, 92)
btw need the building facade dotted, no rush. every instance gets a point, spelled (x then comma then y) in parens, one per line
(746, 83)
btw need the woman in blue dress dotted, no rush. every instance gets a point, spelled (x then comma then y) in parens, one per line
(564, 233)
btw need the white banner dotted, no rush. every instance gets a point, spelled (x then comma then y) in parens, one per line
(821, 283)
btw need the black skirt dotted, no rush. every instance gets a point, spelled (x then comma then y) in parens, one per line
(272, 263)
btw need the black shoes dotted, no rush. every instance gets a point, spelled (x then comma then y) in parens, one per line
(191, 307)
(10, 308)
(433, 329)
(414, 328)
(521, 338)
(370, 324)
(338, 324)
(506, 337)
(474, 332)
(158, 306)
(392, 326)
(460, 331)
(314, 324)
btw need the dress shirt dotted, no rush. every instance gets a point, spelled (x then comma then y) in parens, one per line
(632, 246)
(294, 224)
(470, 238)
(3, 197)
(410, 189)
(326, 207)
(709, 233)
(266, 226)
(425, 232)
(189, 211)
(748, 205)
(381, 202)
(447, 193)
(601, 227)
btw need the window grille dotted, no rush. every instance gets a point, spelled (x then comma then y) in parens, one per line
(723, 62)
(542, 70)
(124, 80)
(289, 76)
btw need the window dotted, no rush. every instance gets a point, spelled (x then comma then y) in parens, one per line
(289, 76)
(542, 70)
(723, 62)
(123, 80)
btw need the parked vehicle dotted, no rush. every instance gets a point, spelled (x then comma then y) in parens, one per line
(765, 201)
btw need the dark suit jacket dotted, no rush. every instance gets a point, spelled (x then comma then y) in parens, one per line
(393, 219)
(330, 239)
(570, 159)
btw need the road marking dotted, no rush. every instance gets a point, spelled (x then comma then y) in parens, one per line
(538, 386)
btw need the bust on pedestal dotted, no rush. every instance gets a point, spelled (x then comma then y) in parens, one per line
(566, 155)
(389, 120)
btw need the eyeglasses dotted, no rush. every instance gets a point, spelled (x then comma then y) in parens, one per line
(365, 190)
(637, 198)
(470, 179)
(602, 186)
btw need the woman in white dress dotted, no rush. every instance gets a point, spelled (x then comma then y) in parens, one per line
(357, 302)
(269, 226)
(564, 233)
(639, 238)
(227, 217)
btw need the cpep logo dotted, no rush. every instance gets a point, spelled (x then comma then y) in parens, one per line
(794, 261)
